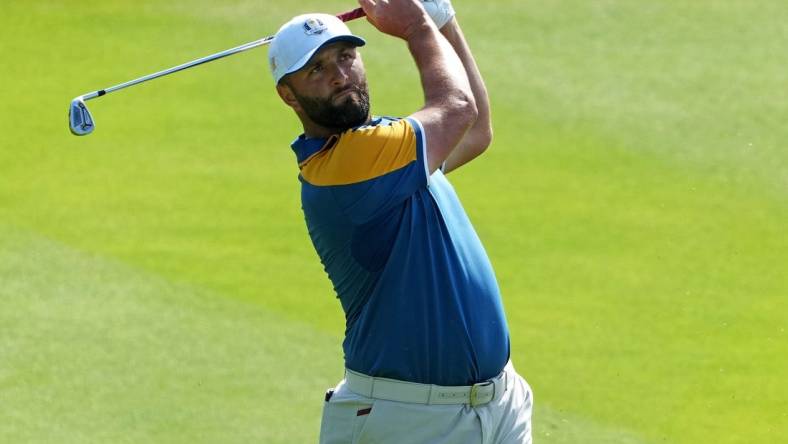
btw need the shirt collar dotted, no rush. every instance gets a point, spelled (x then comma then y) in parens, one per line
(305, 148)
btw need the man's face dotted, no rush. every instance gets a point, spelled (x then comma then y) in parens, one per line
(331, 90)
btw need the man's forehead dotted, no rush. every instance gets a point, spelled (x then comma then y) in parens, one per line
(330, 49)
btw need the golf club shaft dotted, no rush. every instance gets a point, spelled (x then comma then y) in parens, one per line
(345, 17)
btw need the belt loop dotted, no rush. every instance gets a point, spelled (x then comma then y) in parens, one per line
(472, 397)
(372, 388)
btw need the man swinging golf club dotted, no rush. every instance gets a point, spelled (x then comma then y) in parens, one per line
(427, 345)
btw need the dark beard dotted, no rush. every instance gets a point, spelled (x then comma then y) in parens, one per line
(347, 114)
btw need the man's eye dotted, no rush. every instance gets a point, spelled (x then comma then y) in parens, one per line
(316, 69)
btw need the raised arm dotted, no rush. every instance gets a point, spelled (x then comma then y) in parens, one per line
(449, 107)
(479, 136)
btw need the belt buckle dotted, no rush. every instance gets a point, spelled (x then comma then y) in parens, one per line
(475, 392)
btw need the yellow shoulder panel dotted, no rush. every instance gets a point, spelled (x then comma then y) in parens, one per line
(362, 154)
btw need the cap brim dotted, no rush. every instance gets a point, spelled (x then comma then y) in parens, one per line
(358, 41)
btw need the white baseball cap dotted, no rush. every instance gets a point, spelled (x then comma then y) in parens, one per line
(300, 38)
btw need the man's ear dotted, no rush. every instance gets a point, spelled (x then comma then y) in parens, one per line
(287, 95)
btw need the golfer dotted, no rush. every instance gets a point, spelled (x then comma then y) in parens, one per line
(426, 341)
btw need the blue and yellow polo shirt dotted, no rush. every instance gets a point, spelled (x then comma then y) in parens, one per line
(420, 297)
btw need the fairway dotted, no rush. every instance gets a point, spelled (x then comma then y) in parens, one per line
(157, 283)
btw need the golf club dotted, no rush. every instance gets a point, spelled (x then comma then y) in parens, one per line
(81, 121)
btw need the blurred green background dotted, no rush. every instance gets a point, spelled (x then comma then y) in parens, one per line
(157, 283)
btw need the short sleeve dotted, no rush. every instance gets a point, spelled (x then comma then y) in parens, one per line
(372, 168)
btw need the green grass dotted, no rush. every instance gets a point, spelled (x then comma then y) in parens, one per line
(96, 351)
(157, 283)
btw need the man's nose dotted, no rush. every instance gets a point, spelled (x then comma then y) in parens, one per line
(339, 75)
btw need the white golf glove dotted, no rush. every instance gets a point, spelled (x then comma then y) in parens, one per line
(440, 11)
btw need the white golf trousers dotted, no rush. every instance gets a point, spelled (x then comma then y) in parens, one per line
(349, 418)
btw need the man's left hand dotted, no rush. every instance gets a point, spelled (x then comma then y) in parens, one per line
(440, 11)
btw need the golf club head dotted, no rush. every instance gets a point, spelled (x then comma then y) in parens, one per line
(79, 119)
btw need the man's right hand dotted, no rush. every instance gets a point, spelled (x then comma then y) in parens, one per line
(399, 18)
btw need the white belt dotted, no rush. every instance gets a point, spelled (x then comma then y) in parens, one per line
(403, 391)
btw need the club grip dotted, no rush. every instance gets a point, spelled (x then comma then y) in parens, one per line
(351, 15)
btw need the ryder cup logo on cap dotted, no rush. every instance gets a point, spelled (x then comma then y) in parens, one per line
(300, 38)
(313, 25)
